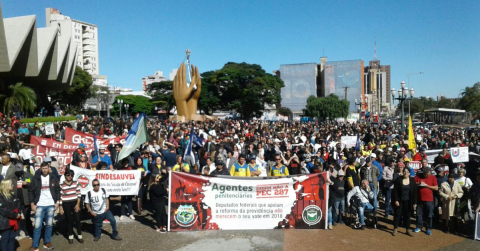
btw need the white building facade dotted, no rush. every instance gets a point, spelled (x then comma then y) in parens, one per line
(148, 80)
(84, 36)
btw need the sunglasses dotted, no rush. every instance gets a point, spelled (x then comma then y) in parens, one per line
(277, 159)
(96, 185)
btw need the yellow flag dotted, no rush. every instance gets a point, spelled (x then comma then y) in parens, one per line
(411, 136)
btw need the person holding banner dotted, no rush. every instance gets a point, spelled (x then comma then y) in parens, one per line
(83, 163)
(102, 157)
(126, 200)
(279, 169)
(240, 169)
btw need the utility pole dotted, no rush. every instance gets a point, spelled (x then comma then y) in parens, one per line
(346, 90)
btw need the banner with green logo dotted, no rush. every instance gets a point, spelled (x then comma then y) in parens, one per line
(232, 203)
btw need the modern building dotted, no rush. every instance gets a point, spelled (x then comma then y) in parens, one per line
(84, 34)
(41, 58)
(377, 85)
(148, 80)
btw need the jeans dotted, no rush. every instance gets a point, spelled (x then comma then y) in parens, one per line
(338, 204)
(403, 211)
(361, 211)
(43, 213)
(330, 215)
(388, 198)
(57, 114)
(7, 242)
(424, 209)
(71, 216)
(98, 222)
(375, 200)
(126, 201)
(19, 117)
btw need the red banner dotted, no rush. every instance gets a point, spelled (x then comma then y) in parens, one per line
(219, 203)
(76, 137)
(62, 152)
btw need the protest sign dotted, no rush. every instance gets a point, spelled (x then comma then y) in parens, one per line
(49, 129)
(230, 203)
(349, 141)
(114, 182)
(459, 154)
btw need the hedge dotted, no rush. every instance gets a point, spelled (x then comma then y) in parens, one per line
(47, 119)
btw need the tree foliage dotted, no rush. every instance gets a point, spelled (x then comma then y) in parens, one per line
(470, 100)
(285, 111)
(162, 95)
(244, 88)
(79, 91)
(329, 107)
(19, 94)
(137, 104)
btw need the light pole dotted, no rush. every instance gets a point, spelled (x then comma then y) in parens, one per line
(408, 75)
(120, 103)
(403, 94)
(126, 109)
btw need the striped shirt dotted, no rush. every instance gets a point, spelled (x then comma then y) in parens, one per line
(69, 192)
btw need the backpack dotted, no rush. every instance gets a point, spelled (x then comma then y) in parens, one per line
(89, 194)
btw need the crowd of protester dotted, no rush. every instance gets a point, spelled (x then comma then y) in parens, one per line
(375, 173)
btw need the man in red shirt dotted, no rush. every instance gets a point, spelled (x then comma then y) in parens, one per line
(420, 155)
(426, 184)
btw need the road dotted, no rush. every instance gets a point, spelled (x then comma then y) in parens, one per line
(140, 235)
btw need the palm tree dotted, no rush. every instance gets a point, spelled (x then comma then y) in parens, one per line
(20, 94)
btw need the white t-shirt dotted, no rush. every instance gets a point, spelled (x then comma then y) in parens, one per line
(4, 170)
(99, 201)
(46, 198)
(25, 153)
(464, 182)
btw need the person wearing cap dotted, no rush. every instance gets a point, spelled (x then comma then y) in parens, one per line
(220, 168)
(421, 155)
(241, 168)
(255, 169)
(102, 157)
(76, 154)
(426, 184)
(371, 173)
(450, 191)
(337, 193)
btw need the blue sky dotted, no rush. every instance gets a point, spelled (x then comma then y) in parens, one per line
(137, 38)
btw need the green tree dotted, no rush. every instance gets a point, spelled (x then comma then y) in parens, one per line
(162, 95)
(329, 107)
(137, 104)
(446, 103)
(19, 94)
(470, 100)
(285, 111)
(78, 92)
(242, 87)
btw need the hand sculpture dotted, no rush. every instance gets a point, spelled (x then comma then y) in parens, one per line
(186, 97)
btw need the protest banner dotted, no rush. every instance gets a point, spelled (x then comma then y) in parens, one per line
(459, 154)
(349, 141)
(76, 137)
(114, 182)
(232, 203)
(431, 155)
(415, 165)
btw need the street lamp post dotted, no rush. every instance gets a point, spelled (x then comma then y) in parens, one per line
(403, 94)
(126, 109)
(120, 104)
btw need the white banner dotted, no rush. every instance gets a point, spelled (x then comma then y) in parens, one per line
(114, 182)
(349, 141)
(459, 154)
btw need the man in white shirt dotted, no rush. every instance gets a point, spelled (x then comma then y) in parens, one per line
(98, 206)
(26, 153)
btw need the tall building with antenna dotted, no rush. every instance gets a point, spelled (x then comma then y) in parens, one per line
(377, 84)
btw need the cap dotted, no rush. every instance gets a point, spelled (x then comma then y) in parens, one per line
(101, 147)
(82, 145)
(340, 173)
(400, 164)
(440, 169)
(422, 149)
(402, 149)
(368, 159)
(277, 141)
(47, 159)
(219, 163)
(373, 155)
(252, 156)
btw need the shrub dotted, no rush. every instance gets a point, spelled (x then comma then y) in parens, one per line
(47, 119)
